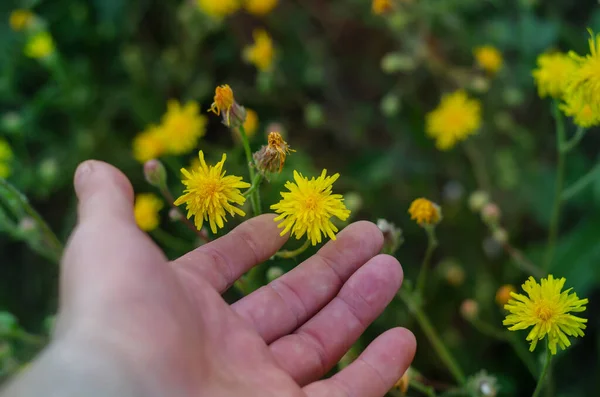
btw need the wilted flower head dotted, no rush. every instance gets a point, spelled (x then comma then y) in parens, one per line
(234, 115)
(261, 54)
(403, 383)
(483, 385)
(488, 58)
(209, 194)
(553, 73)
(548, 310)
(392, 236)
(147, 206)
(271, 158)
(425, 212)
(454, 120)
(309, 206)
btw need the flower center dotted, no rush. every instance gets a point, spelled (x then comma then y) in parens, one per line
(311, 203)
(543, 311)
(209, 188)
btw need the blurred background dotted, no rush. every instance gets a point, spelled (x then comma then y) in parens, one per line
(349, 88)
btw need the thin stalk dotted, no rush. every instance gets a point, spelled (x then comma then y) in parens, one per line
(522, 262)
(432, 243)
(560, 179)
(164, 190)
(427, 390)
(573, 142)
(255, 184)
(433, 338)
(540, 384)
(293, 253)
(581, 184)
(254, 197)
(478, 166)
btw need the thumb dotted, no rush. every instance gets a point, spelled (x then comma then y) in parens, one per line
(107, 252)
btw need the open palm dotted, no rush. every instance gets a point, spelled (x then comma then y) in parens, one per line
(167, 325)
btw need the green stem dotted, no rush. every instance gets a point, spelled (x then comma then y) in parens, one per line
(560, 179)
(427, 390)
(522, 263)
(254, 197)
(22, 336)
(170, 241)
(255, 184)
(581, 184)
(293, 253)
(573, 142)
(432, 243)
(433, 338)
(540, 384)
(478, 166)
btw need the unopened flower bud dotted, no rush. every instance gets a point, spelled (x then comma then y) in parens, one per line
(175, 215)
(482, 385)
(503, 294)
(271, 158)
(491, 213)
(274, 273)
(500, 235)
(469, 309)
(392, 236)
(236, 117)
(478, 199)
(155, 174)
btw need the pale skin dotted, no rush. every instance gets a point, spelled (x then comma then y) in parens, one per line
(132, 323)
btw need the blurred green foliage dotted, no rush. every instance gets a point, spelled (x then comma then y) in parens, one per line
(351, 90)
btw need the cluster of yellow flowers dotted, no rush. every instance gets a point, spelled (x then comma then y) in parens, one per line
(6, 155)
(575, 80)
(225, 8)
(306, 209)
(40, 43)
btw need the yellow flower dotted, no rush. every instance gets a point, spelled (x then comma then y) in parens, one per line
(39, 45)
(20, 19)
(553, 73)
(488, 58)
(261, 53)
(209, 193)
(425, 212)
(146, 208)
(548, 311)
(149, 144)
(584, 86)
(223, 102)
(251, 123)
(403, 383)
(503, 294)
(260, 7)
(308, 207)
(182, 127)
(381, 7)
(6, 155)
(583, 114)
(218, 8)
(455, 119)
(271, 158)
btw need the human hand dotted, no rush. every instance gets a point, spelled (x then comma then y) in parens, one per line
(162, 327)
